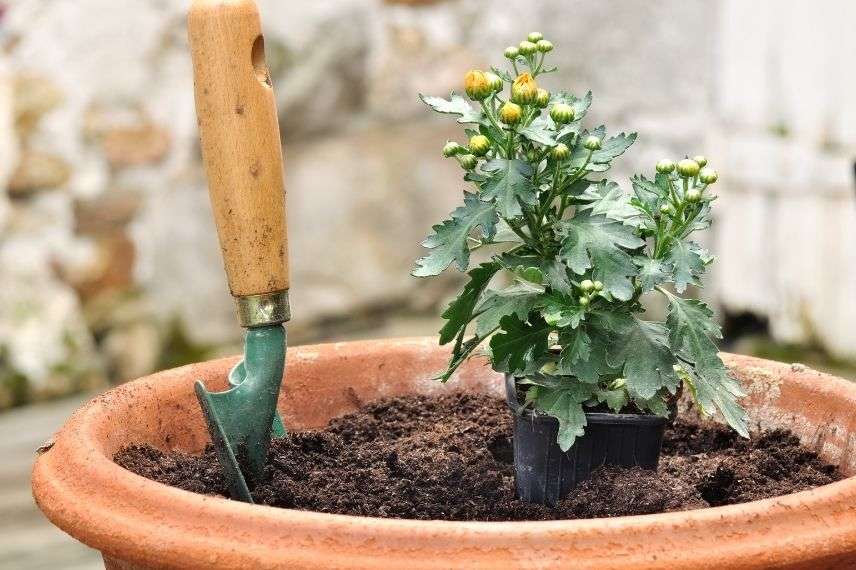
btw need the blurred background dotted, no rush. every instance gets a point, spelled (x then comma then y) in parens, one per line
(109, 263)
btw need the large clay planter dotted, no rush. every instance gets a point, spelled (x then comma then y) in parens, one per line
(137, 523)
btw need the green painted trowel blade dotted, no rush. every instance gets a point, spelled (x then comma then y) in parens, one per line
(241, 420)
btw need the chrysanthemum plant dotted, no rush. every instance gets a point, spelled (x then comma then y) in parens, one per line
(582, 255)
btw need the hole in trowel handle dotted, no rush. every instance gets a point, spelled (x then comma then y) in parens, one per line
(259, 65)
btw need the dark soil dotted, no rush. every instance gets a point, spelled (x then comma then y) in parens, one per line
(450, 458)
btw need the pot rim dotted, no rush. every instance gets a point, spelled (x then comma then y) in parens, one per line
(81, 490)
(591, 417)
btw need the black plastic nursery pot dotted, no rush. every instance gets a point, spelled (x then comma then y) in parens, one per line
(545, 474)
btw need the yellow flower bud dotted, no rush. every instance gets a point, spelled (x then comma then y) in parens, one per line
(535, 36)
(479, 145)
(511, 113)
(524, 89)
(708, 176)
(477, 85)
(542, 97)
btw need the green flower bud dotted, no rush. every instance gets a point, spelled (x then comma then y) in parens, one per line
(476, 85)
(560, 152)
(598, 286)
(693, 195)
(542, 97)
(562, 113)
(618, 383)
(701, 160)
(511, 52)
(527, 48)
(524, 90)
(468, 161)
(549, 368)
(584, 301)
(544, 46)
(535, 36)
(708, 176)
(688, 168)
(591, 143)
(665, 166)
(587, 285)
(452, 148)
(479, 145)
(510, 113)
(494, 80)
(666, 209)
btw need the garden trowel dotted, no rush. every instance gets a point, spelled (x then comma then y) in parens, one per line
(241, 149)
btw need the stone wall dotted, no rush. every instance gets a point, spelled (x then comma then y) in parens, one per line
(109, 256)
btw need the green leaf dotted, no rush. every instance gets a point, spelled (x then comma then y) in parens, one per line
(594, 242)
(562, 311)
(460, 354)
(576, 347)
(652, 272)
(556, 273)
(646, 360)
(612, 148)
(608, 199)
(448, 243)
(565, 404)
(686, 264)
(509, 184)
(538, 131)
(515, 300)
(614, 399)
(460, 311)
(456, 105)
(691, 333)
(518, 344)
(649, 193)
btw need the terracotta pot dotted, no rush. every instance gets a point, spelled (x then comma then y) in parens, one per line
(137, 523)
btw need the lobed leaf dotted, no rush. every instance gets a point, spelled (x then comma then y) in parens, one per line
(455, 105)
(510, 184)
(449, 244)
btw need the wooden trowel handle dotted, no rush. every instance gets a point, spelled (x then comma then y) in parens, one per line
(240, 144)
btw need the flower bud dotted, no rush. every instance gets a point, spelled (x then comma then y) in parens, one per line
(688, 168)
(535, 36)
(476, 85)
(665, 166)
(587, 285)
(598, 286)
(524, 89)
(494, 80)
(701, 160)
(527, 48)
(542, 97)
(562, 113)
(511, 52)
(693, 195)
(544, 46)
(666, 209)
(591, 143)
(560, 152)
(708, 176)
(549, 368)
(510, 113)
(468, 161)
(584, 301)
(452, 148)
(479, 145)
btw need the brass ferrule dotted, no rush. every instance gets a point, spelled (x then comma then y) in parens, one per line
(264, 309)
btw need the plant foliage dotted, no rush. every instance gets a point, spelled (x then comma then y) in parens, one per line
(581, 255)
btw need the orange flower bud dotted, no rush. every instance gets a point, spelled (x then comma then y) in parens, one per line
(524, 90)
(477, 85)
